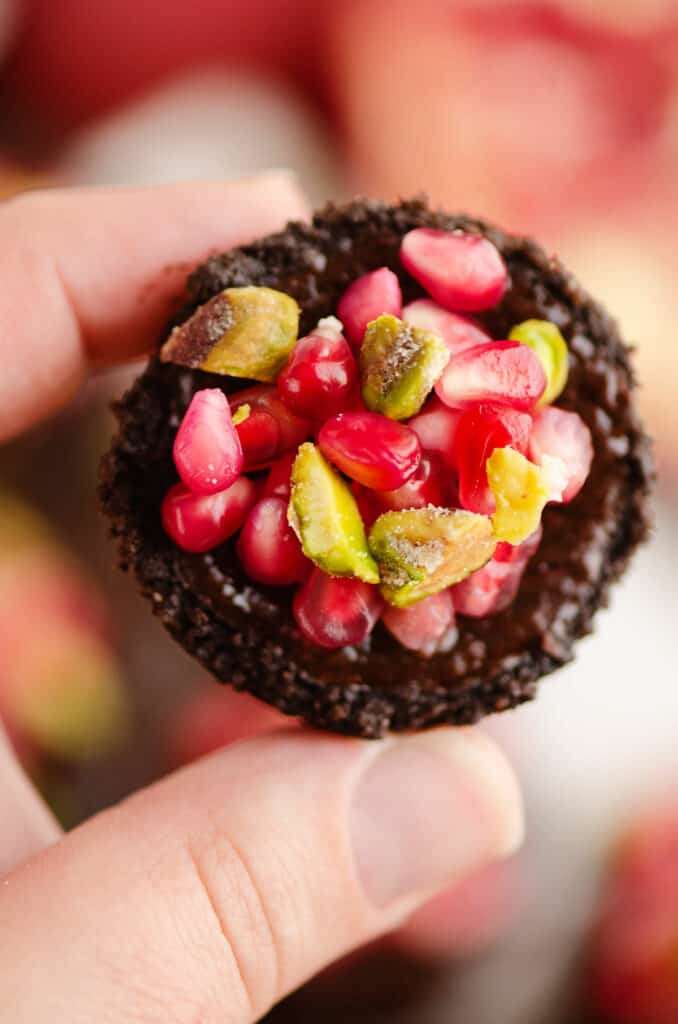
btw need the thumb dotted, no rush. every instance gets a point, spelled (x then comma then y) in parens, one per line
(212, 894)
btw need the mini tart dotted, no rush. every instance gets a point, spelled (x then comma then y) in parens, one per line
(245, 634)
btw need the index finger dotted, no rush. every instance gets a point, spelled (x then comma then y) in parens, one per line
(91, 276)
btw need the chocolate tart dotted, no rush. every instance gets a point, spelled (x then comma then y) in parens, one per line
(245, 633)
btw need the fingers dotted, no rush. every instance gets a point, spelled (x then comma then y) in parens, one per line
(92, 275)
(217, 891)
(27, 825)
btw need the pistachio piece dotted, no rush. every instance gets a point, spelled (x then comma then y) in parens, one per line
(324, 515)
(241, 414)
(242, 332)
(399, 366)
(422, 551)
(521, 490)
(547, 342)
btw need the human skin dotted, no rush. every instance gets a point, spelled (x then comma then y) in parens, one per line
(213, 893)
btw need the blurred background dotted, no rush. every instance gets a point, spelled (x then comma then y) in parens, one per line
(557, 118)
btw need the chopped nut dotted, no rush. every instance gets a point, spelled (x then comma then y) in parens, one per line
(243, 332)
(399, 366)
(422, 551)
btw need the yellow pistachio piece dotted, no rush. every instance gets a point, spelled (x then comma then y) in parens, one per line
(399, 365)
(521, 491)
(422, 551)
(242, 332)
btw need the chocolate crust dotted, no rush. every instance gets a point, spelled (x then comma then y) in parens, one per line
(245, 634)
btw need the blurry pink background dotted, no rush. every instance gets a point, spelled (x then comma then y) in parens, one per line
(558, 118)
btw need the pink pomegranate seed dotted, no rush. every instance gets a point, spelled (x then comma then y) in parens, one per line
(458, 332)
(198, 522)
(366, 299)
(427, 627)
(436, 427)
(493, 588)
(563, 435)
(278, 483)
(268, 548)
(489, 590)
(460, 271)
(207, 450)
(377, 452)
(506, 552)
(501, 372)
(270, 429)
(480, 431)
(334, 612)
(320, 377)
(431, 484)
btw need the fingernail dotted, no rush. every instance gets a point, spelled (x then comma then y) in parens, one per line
(431, 810)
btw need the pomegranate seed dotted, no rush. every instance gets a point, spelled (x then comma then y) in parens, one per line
(320, 377)
(460, 271)
(488, 590)
(431, 484)
(458, 332)
(278, 483)
(436, 428)
(207, 450)
(563, 435)
(427, 627)
(334, 612)
(198, 522)
(505, 552)
(492, 589)
(502, 372)
(367, 503)
(268, 548)
(270, 429)
(480, 431)
(377, 452)
(366, 299)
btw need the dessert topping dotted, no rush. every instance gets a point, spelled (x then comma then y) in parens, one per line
(399, 365)
(242, 332)
(324, 515)
(461, 271)
(423, 551)
(367, 298)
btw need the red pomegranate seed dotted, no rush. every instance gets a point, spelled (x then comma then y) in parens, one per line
(334, 612)
(460, 271)
(480, 431)
(493, 588)
(436, 427)
(278, 483)
(270, 429)
(198, 522)
(458, 332)
(320, 377)
(505, 552)
(563, 435)
(431, 484)
(377, 452)
(502, 372)
(366, 299)
(427, 627)
(368, 504)
(269, 549)
(489, 590)
(207, 451)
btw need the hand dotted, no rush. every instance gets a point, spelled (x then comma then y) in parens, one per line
(210, 895)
